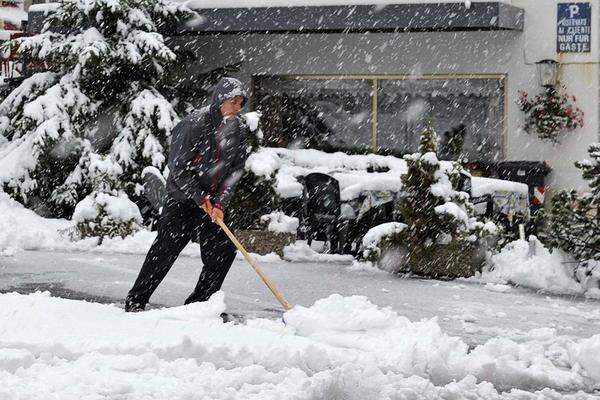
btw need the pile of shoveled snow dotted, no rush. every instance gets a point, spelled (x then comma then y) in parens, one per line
(340, 348)
(530, 264)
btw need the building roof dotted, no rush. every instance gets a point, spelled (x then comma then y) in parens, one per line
(376, 16)
(330, 16)
(207, 4)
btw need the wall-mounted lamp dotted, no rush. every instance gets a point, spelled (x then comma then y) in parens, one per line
(547, 73)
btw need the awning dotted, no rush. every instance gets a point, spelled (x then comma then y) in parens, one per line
(420, 17)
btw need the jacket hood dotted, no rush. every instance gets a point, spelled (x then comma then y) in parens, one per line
(227, 88)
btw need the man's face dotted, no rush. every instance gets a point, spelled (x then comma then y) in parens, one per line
(232, 107)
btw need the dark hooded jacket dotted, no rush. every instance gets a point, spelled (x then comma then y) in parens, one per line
(208, 153)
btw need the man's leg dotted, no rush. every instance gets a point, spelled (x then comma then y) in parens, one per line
(218, 253)
(174, 232)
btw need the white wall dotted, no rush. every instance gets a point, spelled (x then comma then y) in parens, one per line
(498, 52)
(578, 72)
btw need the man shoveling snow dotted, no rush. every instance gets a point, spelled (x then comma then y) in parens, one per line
(206, 160)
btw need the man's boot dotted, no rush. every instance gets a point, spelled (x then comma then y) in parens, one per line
(132, 305)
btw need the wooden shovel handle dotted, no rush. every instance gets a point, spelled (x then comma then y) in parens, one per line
(266, 280)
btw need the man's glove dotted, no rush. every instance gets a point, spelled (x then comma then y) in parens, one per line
(214, 212)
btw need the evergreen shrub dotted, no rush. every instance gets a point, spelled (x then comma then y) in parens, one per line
(573, 220)
(254, 197)
(442, 236)
(107, 211)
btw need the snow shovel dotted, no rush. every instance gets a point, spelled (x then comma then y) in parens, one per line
(267, 282)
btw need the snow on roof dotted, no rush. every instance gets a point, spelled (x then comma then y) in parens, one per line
(211, 4)
(44, 7)
(13, 15)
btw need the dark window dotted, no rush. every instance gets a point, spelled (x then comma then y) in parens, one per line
(467, 115)
(326, 114)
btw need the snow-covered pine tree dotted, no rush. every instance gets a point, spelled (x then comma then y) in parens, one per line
(144, 127)
(590, 171)
(102, 55)
(441, 227)
(573, 223)
(47, 134)
(433, 210)
(107, 211)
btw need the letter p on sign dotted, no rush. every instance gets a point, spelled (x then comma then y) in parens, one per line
(573, 10)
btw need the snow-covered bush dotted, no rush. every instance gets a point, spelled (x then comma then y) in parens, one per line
(254, 136)
(254, 197)
(442, 234)
(104, 58)
(107, 211)
(144, 127)
(573, 221)
(381, 236)
(280, 223)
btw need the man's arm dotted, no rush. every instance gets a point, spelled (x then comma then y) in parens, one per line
(234, 160)
(182, 173)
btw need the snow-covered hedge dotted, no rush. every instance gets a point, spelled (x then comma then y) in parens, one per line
(107, 211)
(355, 173)
(104, 214)
(280, 223)
(379, 237)
(253, 198)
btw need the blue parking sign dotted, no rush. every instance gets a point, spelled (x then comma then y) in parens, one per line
(574, 28)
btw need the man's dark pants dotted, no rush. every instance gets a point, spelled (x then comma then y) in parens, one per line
(179, 223)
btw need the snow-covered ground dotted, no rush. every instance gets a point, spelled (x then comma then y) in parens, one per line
(341, 347)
